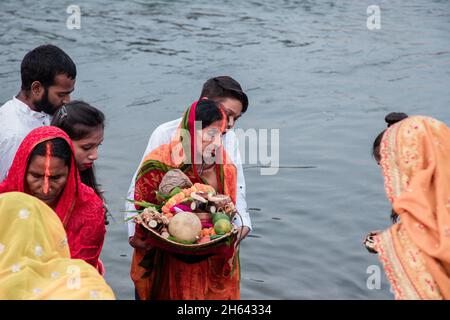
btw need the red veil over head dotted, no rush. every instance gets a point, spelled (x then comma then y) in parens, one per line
(79, 208)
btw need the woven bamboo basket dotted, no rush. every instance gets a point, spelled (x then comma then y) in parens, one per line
(216, 245)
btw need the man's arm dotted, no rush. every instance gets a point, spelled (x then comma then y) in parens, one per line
(232, 148)
(153, 142)
(161, 135)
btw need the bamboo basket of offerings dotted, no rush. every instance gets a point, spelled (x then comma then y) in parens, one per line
(193, 220)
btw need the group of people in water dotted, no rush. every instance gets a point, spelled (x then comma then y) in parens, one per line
(53, 215)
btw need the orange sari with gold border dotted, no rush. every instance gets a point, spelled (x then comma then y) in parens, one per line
(415, 156)
(158, 274)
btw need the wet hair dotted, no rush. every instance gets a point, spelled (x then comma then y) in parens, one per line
(43, 64)
(79, 119)
(224, 87)
(59, 149)
(208, 112)
(391, 119)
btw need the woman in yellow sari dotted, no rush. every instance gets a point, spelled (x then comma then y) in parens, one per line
(414, 155)
(35, 260)
(196, 150)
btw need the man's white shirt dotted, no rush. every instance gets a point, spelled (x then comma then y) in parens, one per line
(16, 121)
(163, 134)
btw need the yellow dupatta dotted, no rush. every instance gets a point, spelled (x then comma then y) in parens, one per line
(415, 156)
(34, 255)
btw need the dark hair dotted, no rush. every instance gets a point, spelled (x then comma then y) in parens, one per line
(391, 119)
(394, 216)
(59, 149)
(224, 87)
(208, 112)
(78, 119)
(43, 64)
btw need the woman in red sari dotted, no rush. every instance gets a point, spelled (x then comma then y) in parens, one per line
(196, 150)
(44, 167)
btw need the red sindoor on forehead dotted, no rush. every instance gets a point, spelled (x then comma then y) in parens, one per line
(48, 154)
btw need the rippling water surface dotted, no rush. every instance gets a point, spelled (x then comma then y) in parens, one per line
(311, 68)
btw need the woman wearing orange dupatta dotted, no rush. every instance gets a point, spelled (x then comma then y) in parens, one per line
(415, 252)
(159, 274)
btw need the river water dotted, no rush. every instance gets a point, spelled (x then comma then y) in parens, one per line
(312, 69)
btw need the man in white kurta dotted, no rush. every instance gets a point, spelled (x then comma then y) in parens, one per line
(16, 121)
(48, 78)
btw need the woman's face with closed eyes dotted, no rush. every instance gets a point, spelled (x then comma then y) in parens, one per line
(46, 178)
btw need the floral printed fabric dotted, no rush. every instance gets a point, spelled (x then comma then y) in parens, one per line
(415, 156)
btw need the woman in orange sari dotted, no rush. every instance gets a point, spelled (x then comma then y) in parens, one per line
(196, 150)
(414, 155)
